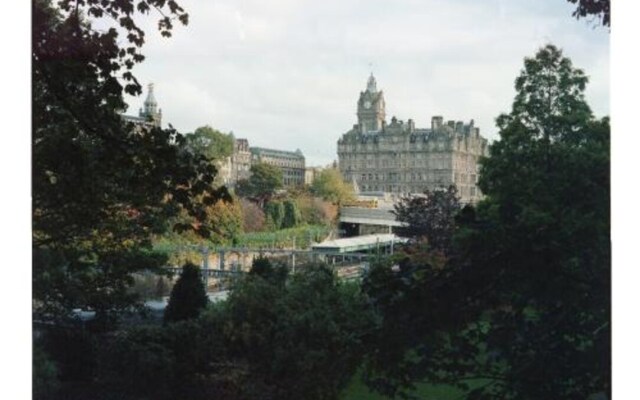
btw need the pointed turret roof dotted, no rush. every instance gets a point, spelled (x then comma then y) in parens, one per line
(371, 84)
(151, 99)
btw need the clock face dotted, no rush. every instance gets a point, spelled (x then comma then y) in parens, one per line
(367, 104)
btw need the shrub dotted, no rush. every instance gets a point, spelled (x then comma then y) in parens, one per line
(188, 296)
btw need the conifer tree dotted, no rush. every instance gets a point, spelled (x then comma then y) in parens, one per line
(188, 296)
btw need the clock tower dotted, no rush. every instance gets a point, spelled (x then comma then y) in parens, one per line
(371, 108)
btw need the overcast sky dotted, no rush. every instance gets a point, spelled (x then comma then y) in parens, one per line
(287, 73)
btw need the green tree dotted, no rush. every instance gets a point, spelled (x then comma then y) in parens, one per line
(263, 183)
(275, 214)
(302, 340)
(430, 217)
(188, 296)
(210, 142)
(529, 277)
(100, 187)
(275, 273)
(291, 216)
(330, 186)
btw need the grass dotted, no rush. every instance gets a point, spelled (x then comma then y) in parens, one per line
(301, 236)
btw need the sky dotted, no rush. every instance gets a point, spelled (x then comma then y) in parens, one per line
(287, 74)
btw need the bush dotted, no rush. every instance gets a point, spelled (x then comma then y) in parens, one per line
(274, 211)
(188, 296)
(45, 375)
(302, 340)
(253, 216)
(291, 217)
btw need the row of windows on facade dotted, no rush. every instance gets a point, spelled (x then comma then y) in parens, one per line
(282, 163)
(433, 164)
(292, 181)
(293, 172)
(458, 178)
(464, 191)
(405, 156)
(402, 145)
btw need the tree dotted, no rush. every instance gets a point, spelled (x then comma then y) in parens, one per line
(211, 143)
(188, 296)
(524, 301)
(599, 9)
(291, 216)
(302, 340)
(100, 187)
(330, 186)
(263, 268)
(275, 211)
(430, 217)
(263, 183)
(253, 218)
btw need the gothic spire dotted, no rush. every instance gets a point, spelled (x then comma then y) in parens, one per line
(371, 84)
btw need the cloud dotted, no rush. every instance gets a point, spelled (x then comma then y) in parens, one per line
(287, 73)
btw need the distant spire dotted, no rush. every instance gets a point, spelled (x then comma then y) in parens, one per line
(151, 99)
(371, 84)
(150, 104)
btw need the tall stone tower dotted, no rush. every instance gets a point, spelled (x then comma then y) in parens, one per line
(151, 112)
(371, 106)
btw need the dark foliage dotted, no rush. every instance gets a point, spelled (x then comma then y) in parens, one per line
(304, 339)
(600, 9)
(263, 268)
(292, 217)
(429, 217)
(101, 188)
(188, 296)
(265, 180)
(524, 301)
(300, 337)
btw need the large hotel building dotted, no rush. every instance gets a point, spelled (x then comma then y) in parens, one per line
(399, 158)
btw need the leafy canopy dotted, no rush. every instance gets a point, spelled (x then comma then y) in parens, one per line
(330, 186)
(599, 9)
(101, 187)
(263, 183)
(429, 217)
(211, 143)
(524, 299)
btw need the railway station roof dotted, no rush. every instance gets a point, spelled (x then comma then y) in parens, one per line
(358, 243)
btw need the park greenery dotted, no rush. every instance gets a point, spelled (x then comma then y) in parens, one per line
(210, 143)
(188, 296)
(101, 187)
(262, 185)
(523, 298)
(330, 186)
(508, 298)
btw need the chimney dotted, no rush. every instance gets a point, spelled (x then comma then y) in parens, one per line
(436, 122)
(459, 127)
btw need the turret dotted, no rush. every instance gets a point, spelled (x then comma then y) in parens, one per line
(150, 110)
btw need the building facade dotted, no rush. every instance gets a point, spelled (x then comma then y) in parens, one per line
(150, 115)
(291, 163)
(240, 160)
(399, 158)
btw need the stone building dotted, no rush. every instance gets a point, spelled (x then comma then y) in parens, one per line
(290, 162)
(311, 173)
(240, 160)
(150, 115)
(399, 158)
